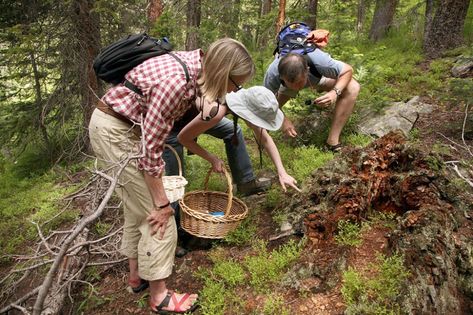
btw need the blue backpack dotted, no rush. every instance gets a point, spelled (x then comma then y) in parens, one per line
(292, 39)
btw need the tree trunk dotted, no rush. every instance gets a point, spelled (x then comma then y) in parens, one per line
(446, 27)
(193, 23)
(266, 7)
(236, 11)
(87, 29)
(312, 7)
(383, 18)
(154, 11)
(261, 35)
(39, 102)
(281, 15)
(360, 16)
(429, 15)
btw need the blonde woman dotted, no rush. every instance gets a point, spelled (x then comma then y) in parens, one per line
(155, 94)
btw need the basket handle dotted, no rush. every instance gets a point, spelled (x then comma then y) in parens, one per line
(177, 157)
(230, 188)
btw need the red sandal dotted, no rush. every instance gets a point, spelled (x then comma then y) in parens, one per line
(177, 305)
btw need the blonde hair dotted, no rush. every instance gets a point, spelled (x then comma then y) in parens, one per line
(225, 57)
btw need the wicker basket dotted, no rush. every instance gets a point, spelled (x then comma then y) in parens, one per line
(175, 185)
(211, 214)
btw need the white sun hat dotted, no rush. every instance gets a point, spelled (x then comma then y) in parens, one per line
(257, 105)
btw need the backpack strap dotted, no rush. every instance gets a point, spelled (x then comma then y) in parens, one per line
(182, 64)
(132, 87)
(312, 69)
(137, 90)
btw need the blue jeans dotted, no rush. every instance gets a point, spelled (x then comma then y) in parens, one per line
(238, 158)
(237, 155)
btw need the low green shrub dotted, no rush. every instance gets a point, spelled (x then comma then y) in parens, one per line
(378, 294)
(349, 233)
(265, 267)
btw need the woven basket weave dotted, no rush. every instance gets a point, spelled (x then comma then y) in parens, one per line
(197, 208)
(175, 185)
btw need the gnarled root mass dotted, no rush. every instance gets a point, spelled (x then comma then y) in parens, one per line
(434, 230)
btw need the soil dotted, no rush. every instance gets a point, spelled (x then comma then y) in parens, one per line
(314, 295)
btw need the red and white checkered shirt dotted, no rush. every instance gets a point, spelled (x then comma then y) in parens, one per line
(166, 97)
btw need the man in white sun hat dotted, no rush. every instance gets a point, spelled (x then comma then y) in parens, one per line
(259, 108)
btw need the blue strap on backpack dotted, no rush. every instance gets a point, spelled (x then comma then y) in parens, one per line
(293, 39)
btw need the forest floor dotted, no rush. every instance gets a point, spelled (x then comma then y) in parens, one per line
(111, 294)
(115, 298)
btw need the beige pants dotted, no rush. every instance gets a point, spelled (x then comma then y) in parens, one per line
(112, 141)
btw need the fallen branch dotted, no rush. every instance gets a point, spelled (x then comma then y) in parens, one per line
(38, 306)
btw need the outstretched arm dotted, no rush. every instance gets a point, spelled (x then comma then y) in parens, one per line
(197, 127)
(267, 142)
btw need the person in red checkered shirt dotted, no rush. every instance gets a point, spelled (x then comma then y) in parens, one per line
(149, 232)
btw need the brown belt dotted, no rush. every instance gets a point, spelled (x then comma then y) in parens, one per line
(107, 110)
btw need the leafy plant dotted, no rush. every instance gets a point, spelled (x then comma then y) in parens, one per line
(265, 268)
(275, 304)
(349, 233)
(230, 272)
(245, 232)
(375, 295)
(386, 219)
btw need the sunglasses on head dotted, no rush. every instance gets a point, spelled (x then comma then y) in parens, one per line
(213, 111)
(238, 87)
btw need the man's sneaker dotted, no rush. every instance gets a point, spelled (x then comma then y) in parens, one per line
(254, 186)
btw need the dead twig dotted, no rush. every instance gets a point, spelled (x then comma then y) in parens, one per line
(454, 166)
(463, 129)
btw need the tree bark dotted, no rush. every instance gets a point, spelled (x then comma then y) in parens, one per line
(312, 7)
(266, 7)
(193, 23)
(154, 10)
(383, 18)
(87, 29)
(236, 10)
(360, 16)
(39, 102)
(429, 15)
(446, 28)
(281, 15)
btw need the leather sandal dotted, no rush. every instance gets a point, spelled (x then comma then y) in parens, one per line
(141, 287)
(333, 148)
(177, 305)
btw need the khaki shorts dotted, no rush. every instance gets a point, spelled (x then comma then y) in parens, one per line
(112, 140)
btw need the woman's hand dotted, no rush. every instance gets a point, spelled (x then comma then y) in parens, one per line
(217, 164)
(158, 219)
(286, 179)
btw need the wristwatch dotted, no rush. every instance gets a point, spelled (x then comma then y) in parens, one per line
(337, 91)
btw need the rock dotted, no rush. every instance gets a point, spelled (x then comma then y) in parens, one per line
(398, 115)
(285, 226)
(463, 67)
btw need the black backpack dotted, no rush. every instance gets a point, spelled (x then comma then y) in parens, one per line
(115, 60)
